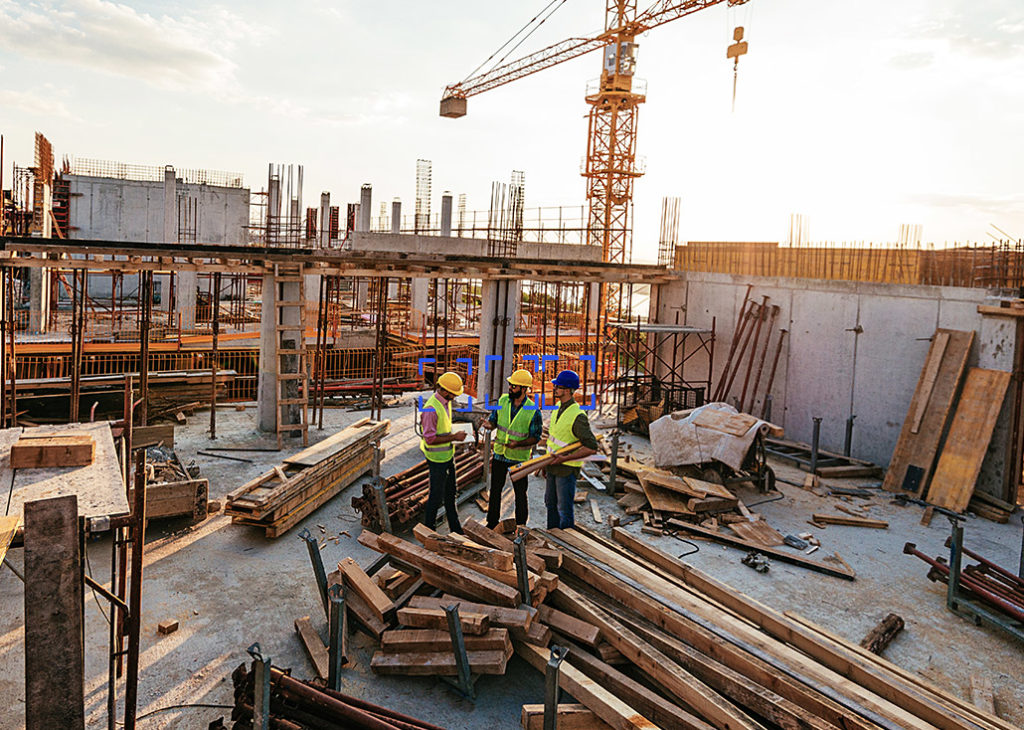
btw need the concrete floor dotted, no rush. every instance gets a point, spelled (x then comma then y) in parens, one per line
(228, 587)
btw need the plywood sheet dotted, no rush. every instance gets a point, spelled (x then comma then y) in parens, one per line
(98, 486)
(968, 439)
(664, 500)
(759, 532)
(914, 456)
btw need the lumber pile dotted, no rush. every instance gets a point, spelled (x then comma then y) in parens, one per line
(43, 449)
(407, 491)
(652, 641)
(296, 705)
(285, 495)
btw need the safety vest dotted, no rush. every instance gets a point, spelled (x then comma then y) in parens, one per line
(439, 453)
(516, 430)
(560, 431)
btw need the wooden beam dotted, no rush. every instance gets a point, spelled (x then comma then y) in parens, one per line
(436, 618)
(359, 582)
(419, 640)
(570, 717)
(314, 646)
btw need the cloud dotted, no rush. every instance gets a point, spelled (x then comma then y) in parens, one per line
(1000, 205)
(912, 61)
(32, 103)
(190, 51)
(991, 29)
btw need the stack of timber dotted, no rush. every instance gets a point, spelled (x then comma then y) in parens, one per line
(298, 705)
(285, 495)
(170, 393)
(407, 491)
(948, 428)
(717, 658)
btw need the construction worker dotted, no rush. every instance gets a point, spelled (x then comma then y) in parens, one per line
(438, 445)
(568, 425)
(518, 426)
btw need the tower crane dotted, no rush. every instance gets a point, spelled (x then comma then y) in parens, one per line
(611, 165)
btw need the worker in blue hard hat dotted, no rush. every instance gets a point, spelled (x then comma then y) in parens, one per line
(569, 424)
(518, 426)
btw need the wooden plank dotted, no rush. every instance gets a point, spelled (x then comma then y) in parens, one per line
(40, 451)
(315, 649)
(664, 500)
(441, 572)
(969, 435)
(54, 616)
(570, 717)
(436, 618)
(362, 430)
(456, 546)
(399, 640)
(8, 527)
(981, 693)
(605, 705)
(509, 618)
(576, 629)
(849, 521)
(914, 456)
(152, 435)
(428, 664)
(357, 580)
(481, 534)
(357, 608)
(931, 371)
(176, 499)
(595, 511)
(784, 556)
(758, 532)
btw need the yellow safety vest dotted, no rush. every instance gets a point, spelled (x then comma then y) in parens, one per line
(439, 453)
(560, 431)
(516, 430)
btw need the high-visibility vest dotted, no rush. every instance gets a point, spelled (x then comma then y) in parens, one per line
(513, 429)
(439, 453)
(560, 431)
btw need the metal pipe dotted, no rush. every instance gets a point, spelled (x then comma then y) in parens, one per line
(1016, 580)
(551, 686)
(815, 435)
(848, 441)
(131, 686)
(337, 654)
(341, 710)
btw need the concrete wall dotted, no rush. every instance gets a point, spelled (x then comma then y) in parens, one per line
(852, 349)
(453, 246)
(132, 210)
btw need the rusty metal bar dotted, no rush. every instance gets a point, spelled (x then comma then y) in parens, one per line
(131, 685)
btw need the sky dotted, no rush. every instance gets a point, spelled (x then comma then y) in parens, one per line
(861, 116)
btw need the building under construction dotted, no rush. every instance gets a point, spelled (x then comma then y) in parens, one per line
(196, 366)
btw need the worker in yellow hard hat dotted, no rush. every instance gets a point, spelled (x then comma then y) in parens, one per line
(438, 445)
(518, 426)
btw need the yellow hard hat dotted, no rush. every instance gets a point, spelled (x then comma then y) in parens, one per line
(521, 377)
(451, 382)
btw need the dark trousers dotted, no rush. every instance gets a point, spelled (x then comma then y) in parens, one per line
(442, 488)
(559, 494)
(499, 472)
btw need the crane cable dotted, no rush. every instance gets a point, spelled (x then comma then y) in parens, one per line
(556, 3)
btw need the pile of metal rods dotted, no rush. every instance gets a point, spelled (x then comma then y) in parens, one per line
(297, 705)
(407, 491)
(995, 586)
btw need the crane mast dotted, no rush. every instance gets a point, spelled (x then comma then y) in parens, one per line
(610, 166)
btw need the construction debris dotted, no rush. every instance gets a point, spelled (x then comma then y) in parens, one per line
(882, 635)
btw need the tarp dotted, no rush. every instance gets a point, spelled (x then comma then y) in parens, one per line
(713, 432)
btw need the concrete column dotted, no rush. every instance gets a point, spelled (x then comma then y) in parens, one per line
(362, 294)
(185, 283)
(446, 214)
(365, 202)
(273, 208)
(418, 289)
(396, 216)
(325, 219)
(498, 314)
(595, 303)
(270, 362)
(38, 300)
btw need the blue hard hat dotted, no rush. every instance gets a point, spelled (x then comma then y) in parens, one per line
(567, 379)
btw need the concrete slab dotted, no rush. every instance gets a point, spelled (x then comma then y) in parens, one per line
(228, 586)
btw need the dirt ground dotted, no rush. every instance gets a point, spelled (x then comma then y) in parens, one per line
(229, 587)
